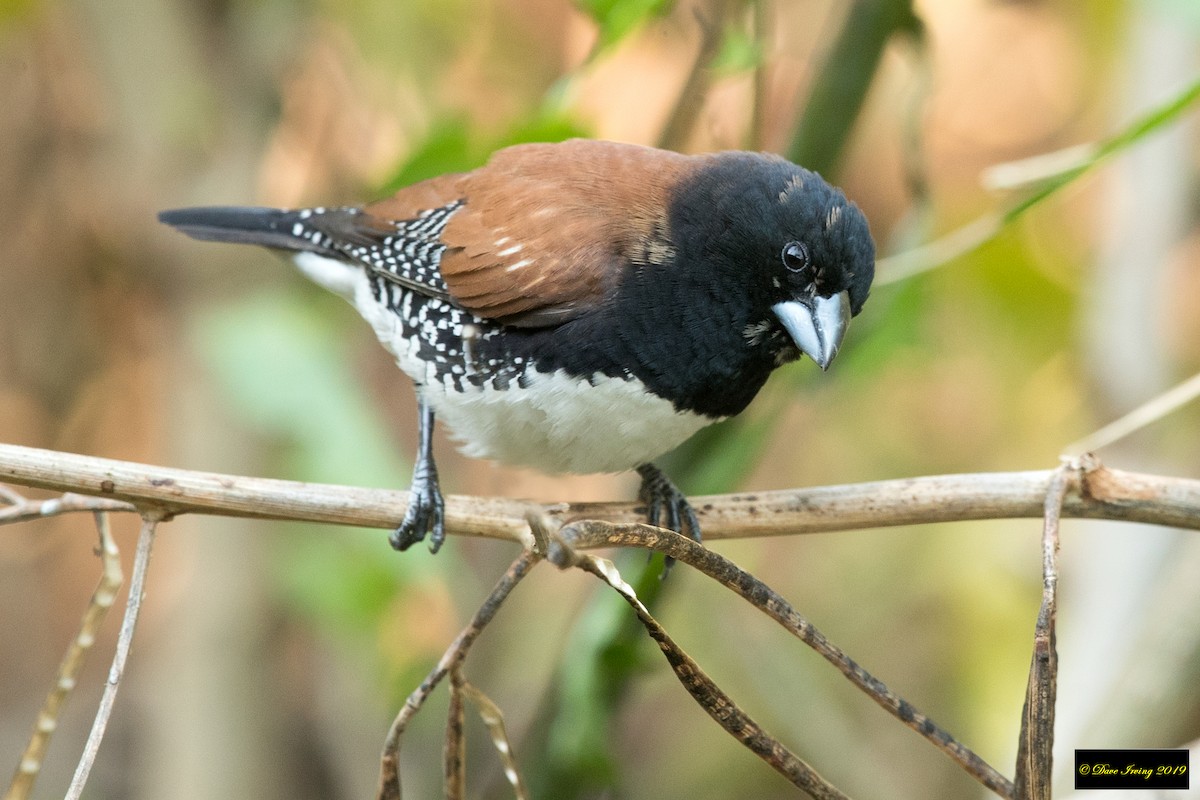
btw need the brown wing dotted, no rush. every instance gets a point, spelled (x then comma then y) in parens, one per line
(546, 229)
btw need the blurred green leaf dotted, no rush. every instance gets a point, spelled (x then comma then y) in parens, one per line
(716, 459)
(450, 147)
(548, 127)
(344, 583)
(739, 52)
(447, 148)
(607, 652)
(420, 38)
(11, 10)
(895, 320)
(1035, 310)
(618, 18)
(278, 357)
(1186, 11)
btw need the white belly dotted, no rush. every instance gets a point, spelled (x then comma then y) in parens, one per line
(554, 422)
(562, 424)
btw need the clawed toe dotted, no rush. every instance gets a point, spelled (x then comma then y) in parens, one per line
(426, 514)
(666, 506)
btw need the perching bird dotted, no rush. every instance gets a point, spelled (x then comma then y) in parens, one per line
(583, 306)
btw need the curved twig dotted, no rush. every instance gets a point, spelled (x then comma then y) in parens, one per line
(711, 698)
(133, 605)
(111, 578)
(602, 534)
(1034, 750)
(389, 771)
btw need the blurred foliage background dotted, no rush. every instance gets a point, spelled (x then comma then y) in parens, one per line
(272, 657)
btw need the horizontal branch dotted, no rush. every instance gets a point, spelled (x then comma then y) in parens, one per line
(1095, 492)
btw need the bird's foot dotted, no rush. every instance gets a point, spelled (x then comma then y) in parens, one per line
(426, 512)
(666, 506)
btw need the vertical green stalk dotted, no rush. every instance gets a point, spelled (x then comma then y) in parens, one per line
(842, 83)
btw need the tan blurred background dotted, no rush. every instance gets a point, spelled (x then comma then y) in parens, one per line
(272, 657)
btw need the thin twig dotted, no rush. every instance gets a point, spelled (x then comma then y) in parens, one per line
(124, 642)
(454, 751)
(599, 534)
(715, 702)
(1037, 168)
(493, 720)
(940, 251)
(690, 101)
(21, 509)
(389, 770)
(1152, 410)
(1104, 494)
(1034, 751)
(967, 238)
(915, 114)
(760, 26)
(111, 578)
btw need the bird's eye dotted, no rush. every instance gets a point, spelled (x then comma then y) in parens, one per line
(795, 256)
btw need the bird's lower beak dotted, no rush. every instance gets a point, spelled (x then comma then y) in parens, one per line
(817, 325)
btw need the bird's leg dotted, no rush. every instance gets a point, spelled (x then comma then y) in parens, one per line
(426, 509)
(662, 498)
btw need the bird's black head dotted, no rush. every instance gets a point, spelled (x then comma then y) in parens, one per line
(796, 254)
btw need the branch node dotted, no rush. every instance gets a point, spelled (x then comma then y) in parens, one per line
(562, 552)
(544, 527)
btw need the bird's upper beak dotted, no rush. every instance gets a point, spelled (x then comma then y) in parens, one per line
(817, 325)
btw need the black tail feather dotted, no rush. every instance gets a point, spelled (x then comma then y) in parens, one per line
(268, 227)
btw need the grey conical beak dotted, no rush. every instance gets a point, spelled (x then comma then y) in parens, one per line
(817, 325)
